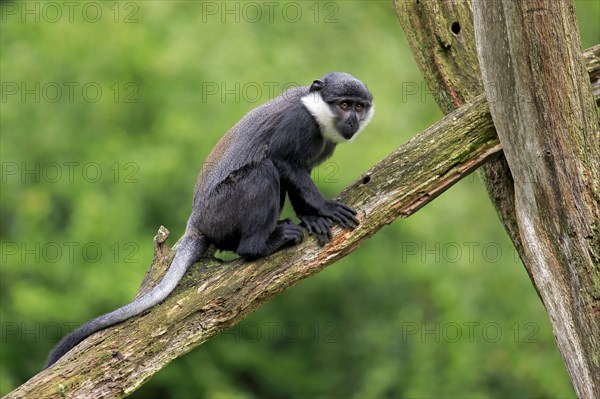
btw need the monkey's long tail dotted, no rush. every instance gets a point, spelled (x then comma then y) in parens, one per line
(189, 251)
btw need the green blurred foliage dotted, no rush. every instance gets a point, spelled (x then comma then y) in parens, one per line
(108, 110)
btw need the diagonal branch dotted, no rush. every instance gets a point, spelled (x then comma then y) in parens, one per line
(214, 295)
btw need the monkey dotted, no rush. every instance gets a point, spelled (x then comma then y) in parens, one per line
(242, 186)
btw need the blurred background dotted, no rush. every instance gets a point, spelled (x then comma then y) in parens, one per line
(108, 111)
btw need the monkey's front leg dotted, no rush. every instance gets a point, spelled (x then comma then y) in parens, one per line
(316, 213)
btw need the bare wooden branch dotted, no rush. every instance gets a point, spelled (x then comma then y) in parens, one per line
(544, 112)
(214, 295)
(441, 36)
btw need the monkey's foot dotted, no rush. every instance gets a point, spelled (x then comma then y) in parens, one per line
(290, 232)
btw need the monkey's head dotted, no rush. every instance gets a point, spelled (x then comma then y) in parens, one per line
(341, 104)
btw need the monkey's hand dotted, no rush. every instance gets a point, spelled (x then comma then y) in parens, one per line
(341, 214)
(332, 212)
(317, 225)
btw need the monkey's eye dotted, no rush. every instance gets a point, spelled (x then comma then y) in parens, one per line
(344, 106)
(358, 107)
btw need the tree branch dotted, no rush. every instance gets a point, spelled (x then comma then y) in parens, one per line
(545, 115)
(441, 36)
(215, 295)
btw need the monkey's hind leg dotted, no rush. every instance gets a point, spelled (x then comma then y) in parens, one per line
(285, 234)
(258, 201)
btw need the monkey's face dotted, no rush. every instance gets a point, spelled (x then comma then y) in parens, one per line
(350, 115)
(341, 104)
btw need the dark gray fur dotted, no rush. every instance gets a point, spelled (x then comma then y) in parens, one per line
(243, 184)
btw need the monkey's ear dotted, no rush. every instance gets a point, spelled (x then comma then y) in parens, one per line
(317, 85)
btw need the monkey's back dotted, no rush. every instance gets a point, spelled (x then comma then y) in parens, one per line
(247, 142)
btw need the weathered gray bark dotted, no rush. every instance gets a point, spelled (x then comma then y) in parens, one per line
(544, 112)
(214, 296)
(441, 36)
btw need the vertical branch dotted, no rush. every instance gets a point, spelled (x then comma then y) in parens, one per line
(544, 112)
(442, 38)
